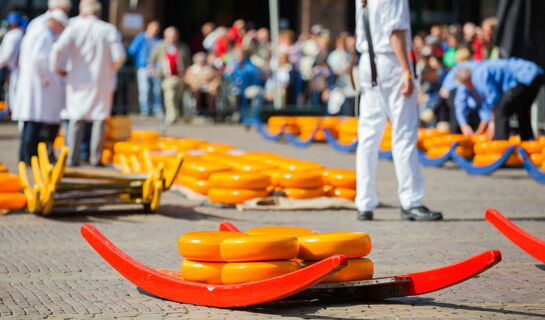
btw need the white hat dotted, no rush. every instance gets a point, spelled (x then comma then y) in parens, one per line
(59, 16)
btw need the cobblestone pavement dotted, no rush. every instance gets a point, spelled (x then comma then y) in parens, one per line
(48, 271)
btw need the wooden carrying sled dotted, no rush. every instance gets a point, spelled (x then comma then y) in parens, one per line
(58, 186)
(304, 282)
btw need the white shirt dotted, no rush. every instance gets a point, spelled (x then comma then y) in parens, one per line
(94, 52)
(385, 16)
(9, 48)
(39, 95)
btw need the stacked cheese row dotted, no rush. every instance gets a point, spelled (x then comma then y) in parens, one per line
(535, 151)
(10, 186)
(219, 257)
(438, 144)
(487, 152)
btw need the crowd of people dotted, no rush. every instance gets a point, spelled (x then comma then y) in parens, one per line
(66, 72)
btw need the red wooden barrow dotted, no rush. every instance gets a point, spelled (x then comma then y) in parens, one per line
(527, 242)
(169, 285)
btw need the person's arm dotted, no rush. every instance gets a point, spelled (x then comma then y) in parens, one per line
(399, 44)
(460, 105)
(135, 45)
(7, 49)
(118, 51)
(60, 48)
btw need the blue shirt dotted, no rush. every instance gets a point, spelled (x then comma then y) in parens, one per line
(244, 74)
(141, 47)
(449, 82)
(493, 78)
(468, 100)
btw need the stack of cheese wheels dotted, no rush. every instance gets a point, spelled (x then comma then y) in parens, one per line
(440, 145)
(144, 136)
(237, 187)
(195, 172)
(488, 152)
(238, 162)
(216, 147)
(340, 183)
(348, 130)
(307, 126)
(277, 123)
(300, 184)
(219, 257)
(534, 150)
(386, 143)
(426, 135)
(10, 186)
(316, 246)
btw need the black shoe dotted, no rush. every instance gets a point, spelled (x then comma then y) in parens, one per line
(420, 214)
(365, 215)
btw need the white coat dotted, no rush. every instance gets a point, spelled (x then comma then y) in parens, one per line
(9, 57)
(93, 51)
(40, 93)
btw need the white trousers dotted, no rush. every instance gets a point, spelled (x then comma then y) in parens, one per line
(377, 104)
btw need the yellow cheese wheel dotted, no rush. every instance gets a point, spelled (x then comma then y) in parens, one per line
(385, 145)
(126, 147)
(239, 180)
(216, 148)
(259, 248)
(300, 179)
(197, 185)
(543, 166)
(515, 140)
(481, 138)
(235, 196)
(244, 272)
(9, 182)
(532, 146)
(202, 271)
(323, 245)
(486, 159)
(204, 245)
(356, 270)
(297, 165)
(300, 193)
(536, 158)
(144, 135)
(341, 178)
(202, 169)
(280, 231)
(251, 166)
(490, 147)
(12, 201)
(343, 193)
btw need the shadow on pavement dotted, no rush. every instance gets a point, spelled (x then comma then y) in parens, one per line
(541, 266)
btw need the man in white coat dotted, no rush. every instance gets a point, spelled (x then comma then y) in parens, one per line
(40, 94)
(39, 23)
(388, 93)
(94, 54)
(9, 52)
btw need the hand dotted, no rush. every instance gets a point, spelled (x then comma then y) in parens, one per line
(491, 130)
(45, 84)
(444, 93)
(466, 130)
(407, 87)
(61, 73)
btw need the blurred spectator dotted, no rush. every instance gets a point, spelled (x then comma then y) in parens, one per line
(149, 86)
(288, 79)
(93, 59)
(203, 81)
(9, 52)
(168, 61)
(488, 27)
(40, 92)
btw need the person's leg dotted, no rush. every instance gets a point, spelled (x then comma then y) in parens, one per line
(506, 108)
(73, 140)
(142, 78)
(454, 126)
(157, 96)
(29, 141)
(404, 117)
(525, 107)
(97, 141)
(86, 142)
(170, 99)
(48, 134)
(371, 125)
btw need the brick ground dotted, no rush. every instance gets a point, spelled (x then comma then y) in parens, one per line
(48, 271)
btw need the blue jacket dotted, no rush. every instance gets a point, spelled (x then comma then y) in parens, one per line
(493, 78)
(245, 74)
(141, 47)
(467, 100)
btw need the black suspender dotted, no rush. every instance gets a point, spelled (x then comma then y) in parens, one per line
(370, 46)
